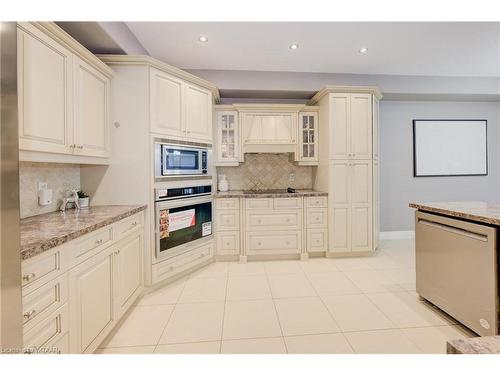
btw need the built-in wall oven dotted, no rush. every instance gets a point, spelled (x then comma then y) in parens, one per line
(173, 160)
(183, 216)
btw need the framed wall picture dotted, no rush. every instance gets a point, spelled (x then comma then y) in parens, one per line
(450, 148)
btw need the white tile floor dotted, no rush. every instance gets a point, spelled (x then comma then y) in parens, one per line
(355, 305)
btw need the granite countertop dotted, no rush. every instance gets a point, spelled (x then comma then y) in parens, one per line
(268, 194)
(43, 232)
(475, 211)
(475, 345)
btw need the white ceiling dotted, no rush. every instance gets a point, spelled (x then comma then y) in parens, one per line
(442, 49)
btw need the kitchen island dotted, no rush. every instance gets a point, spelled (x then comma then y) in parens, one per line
(456, 250)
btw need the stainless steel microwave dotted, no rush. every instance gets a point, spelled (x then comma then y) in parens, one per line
(181, 160)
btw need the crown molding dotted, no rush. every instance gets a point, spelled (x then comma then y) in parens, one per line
(150, 61)
(265, 107)
(346, 89)
(62, 37)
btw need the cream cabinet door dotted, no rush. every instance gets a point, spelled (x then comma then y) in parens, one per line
(376, 204)
(91, 302)
(165, 99)
(361, 205)
(128, 272)
(227, 137)
(308, 135)
(361, 126)
(340, 118)
(340, 206)
(198, 113)
(376, 133)
(44, 92)
(91, 110)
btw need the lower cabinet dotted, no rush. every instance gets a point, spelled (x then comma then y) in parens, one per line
(273, 242)
(91, 302)
(128, 272)
(101, 290)
(228, 243)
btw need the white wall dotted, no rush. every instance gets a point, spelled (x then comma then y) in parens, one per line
(398, 187)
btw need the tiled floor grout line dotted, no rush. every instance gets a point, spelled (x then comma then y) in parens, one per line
(171, 313)
(224, 312)
(276, 310)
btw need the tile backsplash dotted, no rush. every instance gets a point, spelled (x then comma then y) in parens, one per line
(59, 177)
(267, 171)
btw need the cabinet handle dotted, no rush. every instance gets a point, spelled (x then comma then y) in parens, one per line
(134, 223)
(29, 314)
(171, 268)
(79, 147)
(98, 242)
(117, 252)
(202, 255)
(72, 146)
(29, 276)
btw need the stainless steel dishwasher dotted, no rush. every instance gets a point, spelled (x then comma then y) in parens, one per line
(456, 265)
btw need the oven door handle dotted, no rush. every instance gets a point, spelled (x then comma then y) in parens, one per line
(162, 205)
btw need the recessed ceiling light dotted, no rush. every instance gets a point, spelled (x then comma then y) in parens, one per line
(363, 50)
(294, 46)
(203, 39)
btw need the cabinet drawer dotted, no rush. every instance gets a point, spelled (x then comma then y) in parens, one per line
(273, 243)
(127, 225)
(259, 203)
(227, 220)
(317, 240)
(228, 243)
(42, 336)
(99, 239)
(182, 262)
(272, 220)
(44, 267)
(316, 201)
(45, 299)
(316, 217)
(227, 203)
(284, 203)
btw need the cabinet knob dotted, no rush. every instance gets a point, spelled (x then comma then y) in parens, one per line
(171, 268)
(117, 252)
(72, 146)
(29, 314)
(29, 277)
(227, 243)
(202, 255)
(98, 242)
(259, 243)
(134, 223)
(79, 147)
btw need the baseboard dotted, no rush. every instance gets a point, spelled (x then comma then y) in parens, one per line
(397, 235)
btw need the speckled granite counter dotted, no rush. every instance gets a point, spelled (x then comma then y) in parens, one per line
(476, 211)
(476, 345)
(268, 194)
(43, 232)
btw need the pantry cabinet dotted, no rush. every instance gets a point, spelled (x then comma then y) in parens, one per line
(63, 93)
(178, 109)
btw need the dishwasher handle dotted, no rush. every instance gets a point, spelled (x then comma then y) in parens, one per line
(455, 230)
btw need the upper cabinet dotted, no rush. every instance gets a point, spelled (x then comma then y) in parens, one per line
(351, 136)
(228, 140)
(178, 109)
(308, 138)
(63, 95)
(266, 128)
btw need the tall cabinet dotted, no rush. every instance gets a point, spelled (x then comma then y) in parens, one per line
(348, 167)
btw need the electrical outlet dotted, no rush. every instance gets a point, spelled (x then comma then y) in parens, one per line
(291, 177)
(42, 186)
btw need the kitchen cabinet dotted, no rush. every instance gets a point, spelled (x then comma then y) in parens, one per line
(351, 201)
(227, 128)
(376, 204)
(91, 110)
(316, 224)
(45, 92)
(351, 133)
(227, 230)
(179, 109)
(91, 302)
(308, 138)
(128, 271)
(269, 128)
(63, 96)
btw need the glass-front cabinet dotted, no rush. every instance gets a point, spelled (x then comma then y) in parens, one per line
(308, 134)
(227, 138)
